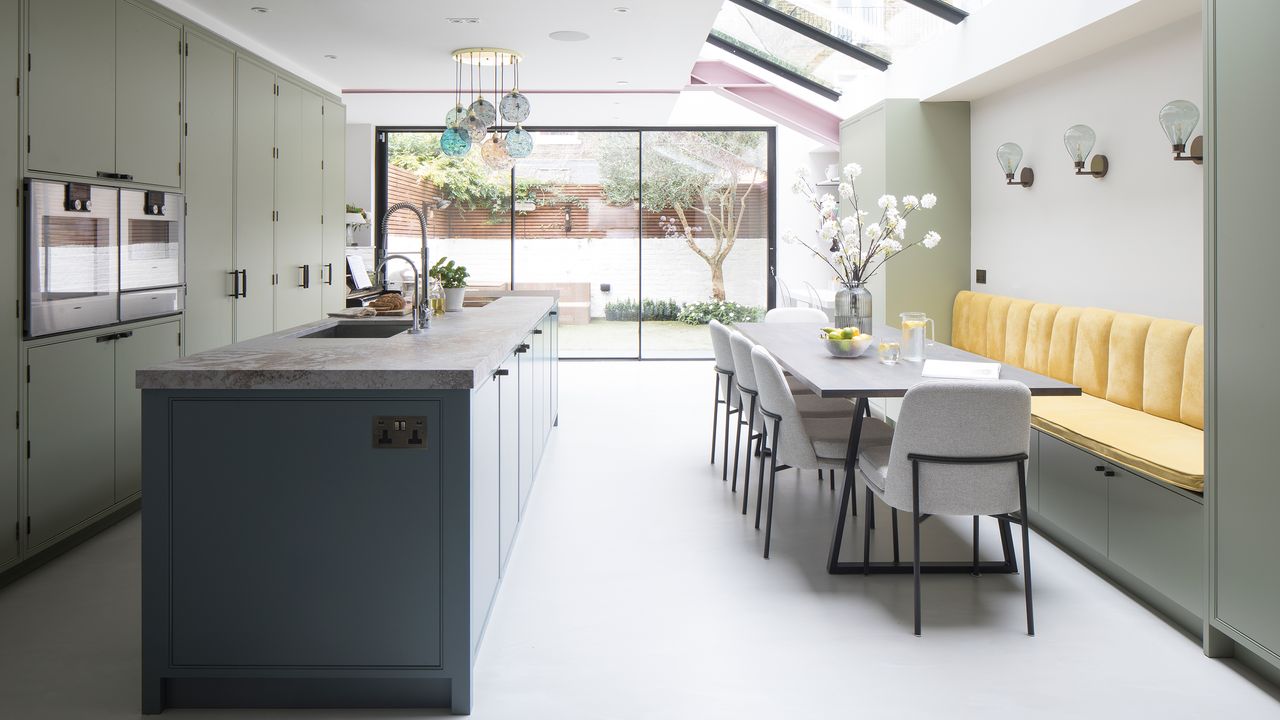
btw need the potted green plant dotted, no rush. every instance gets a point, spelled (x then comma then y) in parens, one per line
(453, 278)
(356, 215)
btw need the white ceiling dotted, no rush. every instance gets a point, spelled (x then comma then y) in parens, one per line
(406, 45)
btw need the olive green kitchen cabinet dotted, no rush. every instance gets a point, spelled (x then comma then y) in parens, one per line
(254, 199)
(299, 208)
(104, 85)
(83, 424)
(10, 234)
(334, 285)
(135, 350)
(210, 174)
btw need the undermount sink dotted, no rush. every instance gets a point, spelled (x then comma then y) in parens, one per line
(359, 330)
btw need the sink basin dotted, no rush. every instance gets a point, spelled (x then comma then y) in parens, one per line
(365, 330)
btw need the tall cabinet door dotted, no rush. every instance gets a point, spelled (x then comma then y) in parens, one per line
(148, 99)
(255, 198)
(142, 348)
(71, 431)
(334, 290)
(299, 137)
(10, 171)
(70, 101)
(210, 171)
(509, 456)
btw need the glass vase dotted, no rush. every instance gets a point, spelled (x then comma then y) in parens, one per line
(853, 307)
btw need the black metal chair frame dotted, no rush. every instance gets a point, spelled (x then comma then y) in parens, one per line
(729, 410)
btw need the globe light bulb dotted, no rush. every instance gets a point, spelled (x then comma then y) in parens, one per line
(1179, 119)
(1079, 140)
(1009, 155)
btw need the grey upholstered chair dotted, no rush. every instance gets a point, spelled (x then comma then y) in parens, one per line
(959, 448)
(803, 443)
(809, 405)
(726, 391)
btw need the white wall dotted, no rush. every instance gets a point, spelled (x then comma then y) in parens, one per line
(1132, 241)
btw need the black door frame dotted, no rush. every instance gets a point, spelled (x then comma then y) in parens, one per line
(771, 162)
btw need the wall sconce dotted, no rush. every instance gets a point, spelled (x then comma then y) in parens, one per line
(1079, 140)
(1009, 155)
(1179, 119)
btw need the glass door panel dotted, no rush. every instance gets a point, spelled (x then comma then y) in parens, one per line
(576, 230)
(705, 252)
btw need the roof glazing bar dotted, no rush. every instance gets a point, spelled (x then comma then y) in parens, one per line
(759, 60)
(944, 10)
(817, 35)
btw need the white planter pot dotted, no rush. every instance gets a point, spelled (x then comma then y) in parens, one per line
(453, 299)
(356, 219)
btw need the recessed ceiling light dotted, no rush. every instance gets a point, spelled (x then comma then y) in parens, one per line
(622, 10)
(464, 20)
(616, 58)
(623, 82)
(569, 36)
(260, 10)
(330, 57)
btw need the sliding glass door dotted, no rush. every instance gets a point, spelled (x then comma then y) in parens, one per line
(647, 234)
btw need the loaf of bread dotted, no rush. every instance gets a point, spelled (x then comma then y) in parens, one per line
(390, 301)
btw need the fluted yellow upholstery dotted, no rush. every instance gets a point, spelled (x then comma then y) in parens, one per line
(1143, 378)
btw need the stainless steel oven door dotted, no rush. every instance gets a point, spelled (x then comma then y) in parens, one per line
(151, 235)
(72, 268)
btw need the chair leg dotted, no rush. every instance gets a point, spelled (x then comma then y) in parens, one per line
(1026, 545)
(831, 474)
(715, 419)
(724, 471)
(915, 521)
(866, 539)
(975, 572)
(773, 478)
(746, 477)
(764, 448)
(737, 450)
(893, 515)
(819, 476)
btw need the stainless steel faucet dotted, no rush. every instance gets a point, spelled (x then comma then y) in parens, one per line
(417, 301)
(421, 307)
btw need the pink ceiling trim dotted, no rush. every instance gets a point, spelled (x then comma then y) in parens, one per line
(450, 91)
(752, 92)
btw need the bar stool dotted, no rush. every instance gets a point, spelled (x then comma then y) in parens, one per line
(726, 391)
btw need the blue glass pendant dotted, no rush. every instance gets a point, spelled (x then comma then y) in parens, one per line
(455, 142)
(515, 107)
(455, 116)
(484, 110)
(475, 126)
(519, 143)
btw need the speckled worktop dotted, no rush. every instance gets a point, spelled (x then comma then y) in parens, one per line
(456, 353)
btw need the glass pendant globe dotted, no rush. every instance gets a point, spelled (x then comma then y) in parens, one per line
(1009, 155)
(514, 107)
(455, 116)
(455, 142)
(494, 154)
(475, 126)
(1179, 119)
(1079, 140)
(484, 110)
(519, 143)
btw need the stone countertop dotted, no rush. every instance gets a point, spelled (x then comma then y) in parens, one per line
(457, 353)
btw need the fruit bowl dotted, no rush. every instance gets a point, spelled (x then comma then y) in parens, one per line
(848, 347)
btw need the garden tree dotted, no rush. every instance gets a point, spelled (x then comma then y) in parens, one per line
(704, 178)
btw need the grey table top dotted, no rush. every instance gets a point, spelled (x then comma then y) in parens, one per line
(457, 352)
(798, 350)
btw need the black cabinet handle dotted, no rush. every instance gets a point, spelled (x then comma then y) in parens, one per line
(501, 372)
(235, 283)
(104, 338)
(306, 276)
(1110, 473)
(330, 266)
(114, 336)
(1098, 468)
(124, 335)
(114, 175)
(244, 283)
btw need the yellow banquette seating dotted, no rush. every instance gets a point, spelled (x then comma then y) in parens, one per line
(1143, 402)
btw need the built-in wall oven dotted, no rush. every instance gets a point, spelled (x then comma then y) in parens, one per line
(151, 232)
(97, 256)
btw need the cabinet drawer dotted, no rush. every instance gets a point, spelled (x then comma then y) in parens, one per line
(1072, 494)
(1158, 536)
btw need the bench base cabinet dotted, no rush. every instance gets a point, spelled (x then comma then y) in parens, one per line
(396, 554)
(1144, 535)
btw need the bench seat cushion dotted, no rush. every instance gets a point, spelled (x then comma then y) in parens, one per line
(1163, 449)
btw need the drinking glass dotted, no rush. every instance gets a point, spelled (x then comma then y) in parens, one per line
(890, 352)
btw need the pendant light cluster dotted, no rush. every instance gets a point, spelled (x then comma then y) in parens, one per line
(477, 125)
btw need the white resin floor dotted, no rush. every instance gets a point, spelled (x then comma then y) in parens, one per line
(637, 590)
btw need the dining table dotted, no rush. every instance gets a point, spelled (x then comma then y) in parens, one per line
(801, 353)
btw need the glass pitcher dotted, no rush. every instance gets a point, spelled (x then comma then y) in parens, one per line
(913, 335)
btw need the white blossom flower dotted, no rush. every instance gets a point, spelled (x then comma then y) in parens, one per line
(846, 191)
(887, 201)
(891, 212)
(802, 173)
(849, 226)
(931, 239)
(889, 247)
(910, 202)
(790, 237)
(900, 227)
(828, 205)
(852, 171)
(872, 231)
(863, 213)
(829, 230)
(928, 200)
